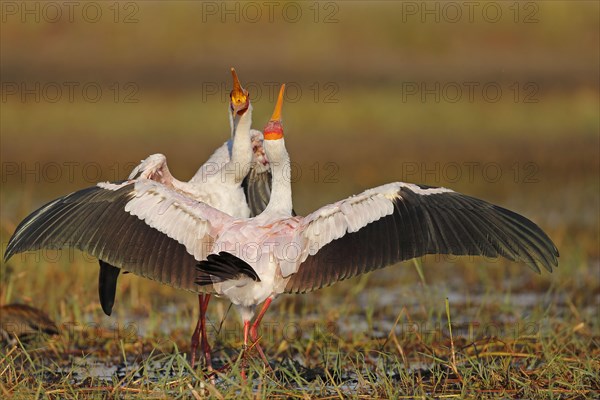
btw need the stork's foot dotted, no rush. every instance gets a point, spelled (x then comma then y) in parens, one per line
(254, 332)
(257, 346)
(251, 331)
(194, 345)
(199, 337)
(205, 355)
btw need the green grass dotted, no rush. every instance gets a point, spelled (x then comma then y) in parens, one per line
(520, 335)
(560, 361)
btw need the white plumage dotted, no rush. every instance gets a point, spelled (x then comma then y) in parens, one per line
(162, 202)
(252, 260)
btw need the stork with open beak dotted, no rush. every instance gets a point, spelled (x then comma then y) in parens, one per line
(252, 261)
(235, 180)
(177, 240)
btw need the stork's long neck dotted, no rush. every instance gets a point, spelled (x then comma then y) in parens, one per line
(281, 190)
(241, 149)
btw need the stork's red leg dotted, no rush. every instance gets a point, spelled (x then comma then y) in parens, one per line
(246, 329)
(205, 344)
(196, 336)
(199, 337)
(254, 329)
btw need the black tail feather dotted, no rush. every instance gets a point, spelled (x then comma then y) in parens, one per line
(223, 267)
(107, 285)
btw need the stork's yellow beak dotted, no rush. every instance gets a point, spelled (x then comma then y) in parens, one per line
(238, 97)
(277, 112)
(274, 128)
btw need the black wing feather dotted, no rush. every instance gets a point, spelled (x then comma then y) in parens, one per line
(94, 220)
(436, 223)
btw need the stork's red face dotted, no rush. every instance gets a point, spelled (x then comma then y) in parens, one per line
(274, 128)
(239, 100)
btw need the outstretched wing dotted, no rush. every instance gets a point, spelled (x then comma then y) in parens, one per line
(400, 221)
(155, 168)
(142, 227)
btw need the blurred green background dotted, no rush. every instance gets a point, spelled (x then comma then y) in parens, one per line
(498, 100)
